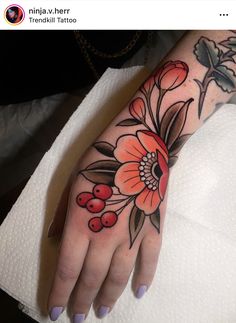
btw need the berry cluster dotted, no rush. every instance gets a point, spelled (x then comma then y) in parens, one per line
(95, 202)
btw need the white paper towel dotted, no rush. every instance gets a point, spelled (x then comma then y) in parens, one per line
(195, 281)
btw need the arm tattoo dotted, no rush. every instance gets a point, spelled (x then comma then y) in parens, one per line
(210, 55)
(134, 173)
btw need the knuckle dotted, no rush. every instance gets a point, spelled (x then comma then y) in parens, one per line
(66, 273)
(90, 283)
(91, 279)
(119, 278)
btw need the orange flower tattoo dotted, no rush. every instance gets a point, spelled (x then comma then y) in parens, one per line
(144, 171)
(136, 168)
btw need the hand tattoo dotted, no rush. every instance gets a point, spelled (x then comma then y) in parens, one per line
(136, 169)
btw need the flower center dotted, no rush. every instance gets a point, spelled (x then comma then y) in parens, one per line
(156, 170)
(150, 171)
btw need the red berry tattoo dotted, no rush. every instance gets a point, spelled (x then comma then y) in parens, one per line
(109, 219)
(102, 191)
(95, 224)
(95, 205)
(83, 198)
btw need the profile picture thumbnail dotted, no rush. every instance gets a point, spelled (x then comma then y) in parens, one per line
(14, 14)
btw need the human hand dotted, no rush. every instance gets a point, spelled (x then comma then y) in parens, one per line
(117, 205)
(117, 202)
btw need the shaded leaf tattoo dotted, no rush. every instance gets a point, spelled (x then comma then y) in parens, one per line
(172, 160)
(129, 122)
(173, 121)
(207, 52)
(136, 221)
(104, 148)
(227, 57)
(225, 78)
(155, 220)
(229, 43)
(178, 144)
(102, 172)
(211, 56)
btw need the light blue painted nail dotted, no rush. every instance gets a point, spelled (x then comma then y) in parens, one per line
(55, 313)
(78, 318)
(102, 311)
(141, 291)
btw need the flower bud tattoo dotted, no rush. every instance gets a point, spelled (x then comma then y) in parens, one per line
(135, 170)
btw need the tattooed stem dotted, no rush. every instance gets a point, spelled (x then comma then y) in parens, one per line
(203, 86)
(147, 96)
(146, 125)
(113, 202)
(159, 101)
(130, 199)
(151, 112)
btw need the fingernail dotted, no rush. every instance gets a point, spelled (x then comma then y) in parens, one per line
(141, 291)
(55, 313)
(103, 311)
(78, 318)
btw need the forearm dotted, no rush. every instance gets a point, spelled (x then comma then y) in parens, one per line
(204, 55)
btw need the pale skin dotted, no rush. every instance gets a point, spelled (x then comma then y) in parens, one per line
(94, 267)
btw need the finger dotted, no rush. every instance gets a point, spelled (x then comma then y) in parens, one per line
(149, 250)
(146, 263)
(120, 269)
(69, 264)
(58, 222)
(95, 268)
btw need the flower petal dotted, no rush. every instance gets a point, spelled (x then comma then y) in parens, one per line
(127, 179)
(173, 78)
(128, 148)
(163, 185)
(148, 201)
(162, 163)
(152, 142)
(165, 175)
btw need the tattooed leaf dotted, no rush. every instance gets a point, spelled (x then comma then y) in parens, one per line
(172, 160)
(104, 148)
(178, 144)
(129, 122)
(168, 118)
(173, 121)
(136, 220)
(228, 56)
(207, 52)
(225, 78)
(229, 43)
(112, 165)
(155, 220)
(101, 172)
